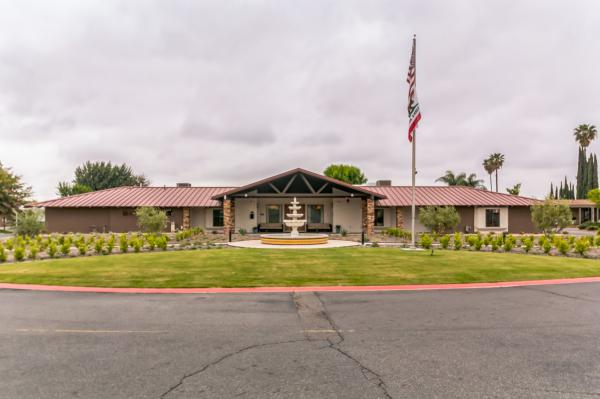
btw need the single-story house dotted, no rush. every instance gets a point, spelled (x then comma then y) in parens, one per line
(583, 210)
(328, 205)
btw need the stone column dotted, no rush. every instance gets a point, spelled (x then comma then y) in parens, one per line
(399, 218)
(368, 215)
(186, 218)
(228, 216)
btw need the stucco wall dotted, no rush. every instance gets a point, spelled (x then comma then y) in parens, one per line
(519, 220)
(348, 214)
(198, 217)
(243, 209)
(86, 220)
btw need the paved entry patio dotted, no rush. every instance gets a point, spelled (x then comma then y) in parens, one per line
(258, 244)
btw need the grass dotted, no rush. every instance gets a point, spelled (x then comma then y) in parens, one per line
(255, 267)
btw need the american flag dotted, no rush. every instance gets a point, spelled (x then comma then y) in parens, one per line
(414, 111)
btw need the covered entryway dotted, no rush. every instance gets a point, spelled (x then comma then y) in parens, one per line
(328, 205)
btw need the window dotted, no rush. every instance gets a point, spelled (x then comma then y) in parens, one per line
(128, 212)
(492, 218)
(315, 214)
(273, 214)
(379, 216)
(217, 215)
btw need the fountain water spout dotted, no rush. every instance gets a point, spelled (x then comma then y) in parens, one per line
(294, 220)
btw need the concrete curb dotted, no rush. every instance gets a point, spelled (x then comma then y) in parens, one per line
(366, 288)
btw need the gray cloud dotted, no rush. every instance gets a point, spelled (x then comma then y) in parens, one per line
(223, 93)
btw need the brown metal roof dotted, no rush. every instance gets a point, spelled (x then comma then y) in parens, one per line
(447, 195)
(140, 196)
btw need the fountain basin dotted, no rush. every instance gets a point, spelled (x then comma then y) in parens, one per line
(300, 239)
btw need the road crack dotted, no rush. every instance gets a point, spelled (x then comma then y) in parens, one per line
(311, 309)
(221, 359)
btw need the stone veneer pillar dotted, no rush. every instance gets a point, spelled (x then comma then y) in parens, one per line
(228, 216)
(368, 216)
(399, 218)
(186, 218)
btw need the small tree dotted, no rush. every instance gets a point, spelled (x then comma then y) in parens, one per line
(439, 218)
(29, 223)
(151, 220)
(346, 173)
(551, 217)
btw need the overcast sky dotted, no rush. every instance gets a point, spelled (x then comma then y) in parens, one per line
(226, 92)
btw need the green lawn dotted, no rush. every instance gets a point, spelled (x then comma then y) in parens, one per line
(254, 267)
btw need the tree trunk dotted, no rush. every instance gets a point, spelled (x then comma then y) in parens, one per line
(496, 180)
(491, 185)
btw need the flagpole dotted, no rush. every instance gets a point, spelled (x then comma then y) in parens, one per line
(414, 174)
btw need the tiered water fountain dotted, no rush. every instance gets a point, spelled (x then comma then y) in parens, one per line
(294, 222)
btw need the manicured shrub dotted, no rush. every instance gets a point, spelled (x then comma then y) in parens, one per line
(82, 248)
(3, 255)
(344, 233)
(398, 233)
(110, 244)
(445, 241)
(487, 240)
(19, 253)
(508, 245)
(123, 243)
(151, 242)
(471, 240)
(478, 243)
(10, 244)
(582, 245)
(527, 244)
(242, 232)
(563, 247)
(457, 241)
(161, 242)
(375, 244)
(52, 249)
(65, 247)
(495, 243)
(547, 246)
(33, 251)
(426, 241)
(98, 246)
(136, 244)
(61, 239)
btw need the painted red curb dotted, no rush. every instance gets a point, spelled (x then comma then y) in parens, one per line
(364, 288)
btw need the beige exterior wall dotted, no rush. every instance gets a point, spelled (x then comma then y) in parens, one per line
(243, 208)
(348, 214)
(198, 217)
(480, 219)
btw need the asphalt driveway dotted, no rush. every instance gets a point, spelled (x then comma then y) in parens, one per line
(524, 342)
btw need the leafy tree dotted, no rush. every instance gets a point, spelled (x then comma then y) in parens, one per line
(460, 179)
(93, 176)
(13, 194)
(494, 163)
(29, 223)
(439, 218)
(594, 196)
(65, 189)
(346, 173)
(151, 220)
(551, 217)
(515, 190)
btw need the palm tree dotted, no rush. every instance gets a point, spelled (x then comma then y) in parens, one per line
(451, 179)
(494, 162)
(585, 134)
(487, 165)
(461, 179)
(473, 181)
